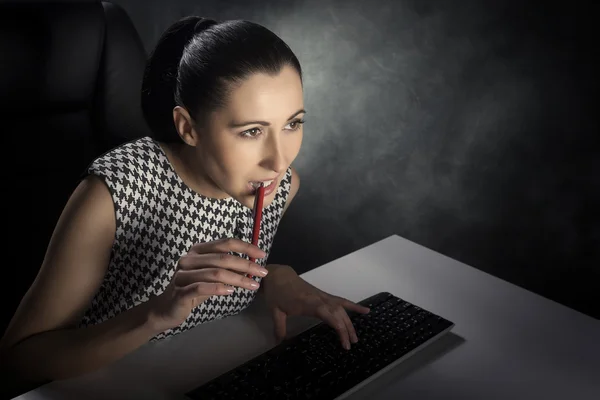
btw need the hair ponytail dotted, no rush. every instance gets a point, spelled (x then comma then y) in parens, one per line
(159, 83)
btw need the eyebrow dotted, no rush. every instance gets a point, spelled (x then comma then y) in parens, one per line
(264, 123)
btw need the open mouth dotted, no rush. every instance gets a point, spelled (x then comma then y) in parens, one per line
(256, 185)
(269, 186)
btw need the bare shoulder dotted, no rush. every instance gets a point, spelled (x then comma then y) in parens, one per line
(90, 209)
(294, 187)
(91, 195)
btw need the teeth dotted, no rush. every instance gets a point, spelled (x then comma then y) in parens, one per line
(256, 185)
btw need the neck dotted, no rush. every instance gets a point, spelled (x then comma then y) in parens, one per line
(187, 165)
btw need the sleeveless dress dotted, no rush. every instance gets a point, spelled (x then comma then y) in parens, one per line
(158, 219)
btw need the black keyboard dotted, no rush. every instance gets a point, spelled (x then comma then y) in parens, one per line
(314, 365)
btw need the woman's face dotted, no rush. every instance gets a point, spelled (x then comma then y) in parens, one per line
(255, 138)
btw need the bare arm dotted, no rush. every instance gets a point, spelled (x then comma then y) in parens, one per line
(41, 342)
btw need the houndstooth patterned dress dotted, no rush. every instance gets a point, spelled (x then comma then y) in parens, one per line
(158, 219)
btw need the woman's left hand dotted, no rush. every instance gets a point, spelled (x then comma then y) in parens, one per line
(287, 294)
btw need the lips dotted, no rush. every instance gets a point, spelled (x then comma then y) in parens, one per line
(270, 185)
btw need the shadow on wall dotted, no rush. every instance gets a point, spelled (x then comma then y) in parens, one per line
(468, 129)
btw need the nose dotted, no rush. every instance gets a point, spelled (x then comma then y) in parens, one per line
(274, 157)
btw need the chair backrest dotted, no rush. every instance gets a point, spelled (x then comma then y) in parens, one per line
(70, 79)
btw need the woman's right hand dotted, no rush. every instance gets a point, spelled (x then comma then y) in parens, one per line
(205, 271)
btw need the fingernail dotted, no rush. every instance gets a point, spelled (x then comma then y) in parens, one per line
(254, 285)
(230, 290)
(347, 346)
(263, 272)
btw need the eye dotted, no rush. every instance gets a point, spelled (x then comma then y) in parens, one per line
(296, 124)
(251, 133)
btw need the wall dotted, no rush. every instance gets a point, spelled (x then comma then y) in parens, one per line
(466, 127)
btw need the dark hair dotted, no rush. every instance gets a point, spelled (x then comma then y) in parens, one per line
(197, 63)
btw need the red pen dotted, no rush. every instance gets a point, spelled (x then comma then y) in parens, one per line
(257, 213)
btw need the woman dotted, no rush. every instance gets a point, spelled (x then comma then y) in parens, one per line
(155, 239)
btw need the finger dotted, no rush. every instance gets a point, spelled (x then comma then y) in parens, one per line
(279, 322)
(343, 315)
(221, 260)
(214, 275)
(351, 306)
(229, 244)
(197, 289)
(336, 323)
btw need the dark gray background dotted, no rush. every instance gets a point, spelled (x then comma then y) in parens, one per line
(465, 126)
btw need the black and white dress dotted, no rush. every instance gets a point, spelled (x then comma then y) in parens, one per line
(158, 219)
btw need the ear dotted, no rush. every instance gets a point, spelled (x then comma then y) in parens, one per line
(185, 126)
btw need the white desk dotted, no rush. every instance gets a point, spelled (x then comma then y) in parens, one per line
(508, 343)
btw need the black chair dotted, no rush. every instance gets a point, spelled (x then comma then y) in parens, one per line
(70, 79)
